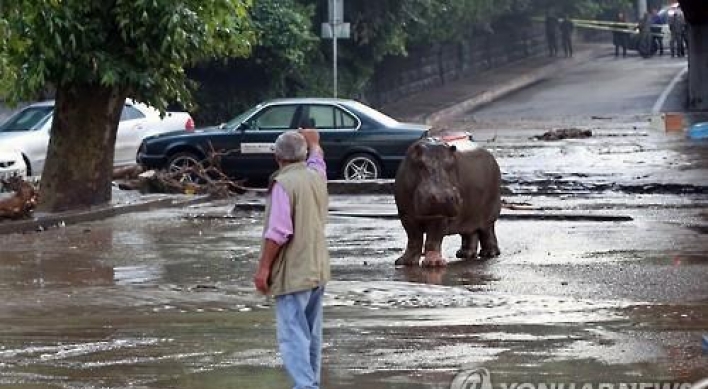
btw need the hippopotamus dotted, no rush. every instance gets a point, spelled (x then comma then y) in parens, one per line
(447, 185)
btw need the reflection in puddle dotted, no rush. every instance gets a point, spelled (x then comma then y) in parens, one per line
(126, 275)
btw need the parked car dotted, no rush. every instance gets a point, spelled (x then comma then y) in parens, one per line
(359, 142)
(11, 164)
(28, 131)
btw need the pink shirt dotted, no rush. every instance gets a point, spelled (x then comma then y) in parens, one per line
(280, 223)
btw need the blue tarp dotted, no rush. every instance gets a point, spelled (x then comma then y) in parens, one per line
(698, 131)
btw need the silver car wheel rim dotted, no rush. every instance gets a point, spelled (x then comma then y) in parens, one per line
(182, 163)
(361, 168)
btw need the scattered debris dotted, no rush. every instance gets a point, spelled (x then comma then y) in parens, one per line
(564, 133)
(130, 172)
(22, 203)
(519, 206)
(204, 177)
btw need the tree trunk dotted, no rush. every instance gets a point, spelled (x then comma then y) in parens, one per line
(698, 67)
(79, 166)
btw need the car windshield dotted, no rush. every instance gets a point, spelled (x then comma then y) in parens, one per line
(233, 123)
(374, 114)
(28, 119)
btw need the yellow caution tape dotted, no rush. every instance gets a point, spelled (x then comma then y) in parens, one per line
(604, 25)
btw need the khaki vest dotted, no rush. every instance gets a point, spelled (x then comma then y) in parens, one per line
(303, 262)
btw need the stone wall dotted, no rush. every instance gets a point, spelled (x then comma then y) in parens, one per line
(433, 66)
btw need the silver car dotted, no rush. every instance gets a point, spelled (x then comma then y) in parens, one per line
(28, 131)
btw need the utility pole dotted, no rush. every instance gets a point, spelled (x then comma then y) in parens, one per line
(641, 8)
(335, 29)
(336, 20)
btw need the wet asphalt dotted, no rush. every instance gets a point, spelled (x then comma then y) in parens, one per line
(163, 299)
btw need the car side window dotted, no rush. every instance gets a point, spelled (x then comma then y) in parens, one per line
(330, 117)
(344, 120)
(130, 113)
(277, 117)
(28, 119)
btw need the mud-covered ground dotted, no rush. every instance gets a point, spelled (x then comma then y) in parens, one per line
(164, 299)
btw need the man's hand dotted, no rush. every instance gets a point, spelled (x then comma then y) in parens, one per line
(312, 137)
(261, 280)
(270, 251)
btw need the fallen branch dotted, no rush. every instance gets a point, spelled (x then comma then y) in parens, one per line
(127, 172)
(205, 177)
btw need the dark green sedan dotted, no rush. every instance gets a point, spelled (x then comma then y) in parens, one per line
(359, 142)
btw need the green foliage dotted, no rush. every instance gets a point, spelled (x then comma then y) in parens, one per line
(282, 51)
(381, 28)
(284, 31)
(138, 47)
(454, 21)
(143, 46)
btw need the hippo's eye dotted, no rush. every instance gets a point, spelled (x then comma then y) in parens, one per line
(453, 148)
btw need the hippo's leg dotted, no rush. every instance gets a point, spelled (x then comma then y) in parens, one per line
(470, 243)
(488, 241)
(414, 248)
(434, 234)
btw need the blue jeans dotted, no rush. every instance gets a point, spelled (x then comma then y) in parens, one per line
(299, 320)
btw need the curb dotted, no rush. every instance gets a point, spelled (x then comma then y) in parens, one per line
(512, 86)
(46, 221)
(544, 216)
(505, 215)
(367, 187)
(661, 101)
(42, 222)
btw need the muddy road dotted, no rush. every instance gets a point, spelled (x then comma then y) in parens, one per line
(163, 299)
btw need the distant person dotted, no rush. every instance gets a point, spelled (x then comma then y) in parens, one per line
(646, 41)
(685, 36)
(677, 26)
(620, 38)
(294, 265)
(645, 23)
(552, 35)
(656, 32)
(566, 29)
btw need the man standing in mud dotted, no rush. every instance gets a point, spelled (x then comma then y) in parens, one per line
(294, 263)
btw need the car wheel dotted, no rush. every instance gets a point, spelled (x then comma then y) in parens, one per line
(184, 162)
(361, 167)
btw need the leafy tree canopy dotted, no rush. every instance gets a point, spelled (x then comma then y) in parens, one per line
(285, 42)
(137, 46)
